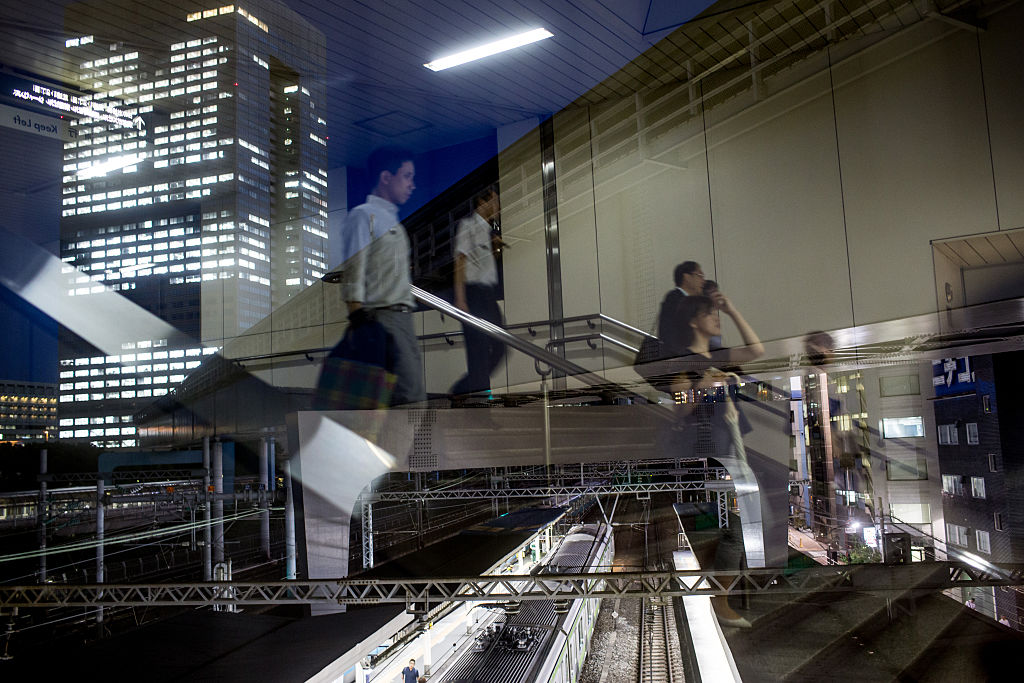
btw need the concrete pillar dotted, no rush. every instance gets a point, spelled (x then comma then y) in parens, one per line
(218, 501)
(427, 647)
(207, 530)
(272, 467)
(264, 501)
(289, 523)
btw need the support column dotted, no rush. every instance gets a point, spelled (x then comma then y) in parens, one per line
(289, 523)
(41, 510)
(723, 509)
(427, 647)
(207, 530)
(551, 244)
(264, 501)
(272, 467)
(100, 560)
(218, 501)
(367, 535)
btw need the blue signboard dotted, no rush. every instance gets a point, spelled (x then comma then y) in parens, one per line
(952, 376)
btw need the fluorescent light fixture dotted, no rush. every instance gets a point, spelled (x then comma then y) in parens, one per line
(489, 49)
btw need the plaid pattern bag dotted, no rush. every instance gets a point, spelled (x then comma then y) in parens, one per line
(355, 375)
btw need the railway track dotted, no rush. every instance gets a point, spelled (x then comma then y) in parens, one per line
(661, 656)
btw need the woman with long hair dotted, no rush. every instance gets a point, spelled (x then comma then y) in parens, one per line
(710, 425)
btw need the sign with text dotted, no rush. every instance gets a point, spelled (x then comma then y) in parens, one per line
(60, 100)
(952, 376)
(33, 123)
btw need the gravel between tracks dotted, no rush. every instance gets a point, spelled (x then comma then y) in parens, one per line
(614, 646)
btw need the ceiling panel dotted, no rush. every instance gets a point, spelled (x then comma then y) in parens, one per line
(375, 53)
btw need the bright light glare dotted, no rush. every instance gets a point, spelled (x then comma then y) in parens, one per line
(489, 49)
(113, 164)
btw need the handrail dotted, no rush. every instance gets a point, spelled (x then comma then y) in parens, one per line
(590, 339)
(448, 336)
(529, 326)
(625, 326)
(502, 335)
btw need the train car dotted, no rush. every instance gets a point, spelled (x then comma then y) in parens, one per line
(542, 641)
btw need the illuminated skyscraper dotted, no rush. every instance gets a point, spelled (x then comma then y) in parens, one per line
(194, 183)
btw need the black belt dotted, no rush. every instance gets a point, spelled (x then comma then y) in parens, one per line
(398, 308)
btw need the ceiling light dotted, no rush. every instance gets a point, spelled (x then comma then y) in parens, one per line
(489, 49)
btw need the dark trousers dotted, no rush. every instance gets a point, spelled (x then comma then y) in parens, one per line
(483, 353)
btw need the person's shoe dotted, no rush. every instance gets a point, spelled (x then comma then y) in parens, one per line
(734, 622)
(727, 616)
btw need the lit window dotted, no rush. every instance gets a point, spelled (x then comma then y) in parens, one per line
(978, 487)
(956, 535)
(972, 433)
(982, 537)
(948, 435)
(952, 484)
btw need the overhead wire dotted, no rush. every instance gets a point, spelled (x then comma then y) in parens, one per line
(86, 545)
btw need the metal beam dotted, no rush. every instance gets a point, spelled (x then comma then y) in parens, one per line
(872, 578)
(143, 476)
(549, 491)
(367, 534)
(723, 509)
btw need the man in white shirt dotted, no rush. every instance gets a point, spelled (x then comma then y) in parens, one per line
(476, 291)
(375, 276)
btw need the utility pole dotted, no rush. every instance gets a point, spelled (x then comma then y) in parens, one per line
(207, 530)
(41, 510)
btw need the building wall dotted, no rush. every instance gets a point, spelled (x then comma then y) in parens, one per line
(991, 402)
(813, 206)
(813, 202)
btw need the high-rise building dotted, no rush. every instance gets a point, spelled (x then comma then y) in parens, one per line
(979, 417)
(28, 411)
(194, 183)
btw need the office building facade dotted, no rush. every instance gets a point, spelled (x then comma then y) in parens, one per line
(194, 183)
(28, 411)
(978, 416)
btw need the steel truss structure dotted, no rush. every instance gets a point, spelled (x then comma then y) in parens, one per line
(548, 491)
(128, 476)
(418, 595)
(719, 486)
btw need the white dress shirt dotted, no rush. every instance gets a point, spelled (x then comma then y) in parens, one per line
(376, 250)
(473, 240)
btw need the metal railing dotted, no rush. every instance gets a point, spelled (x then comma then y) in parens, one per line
(503, 335)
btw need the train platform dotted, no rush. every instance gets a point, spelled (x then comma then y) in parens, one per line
(203, 645)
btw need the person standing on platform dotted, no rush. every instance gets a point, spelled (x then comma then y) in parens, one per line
(476, 291)
(410, 674)
(375, 276)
